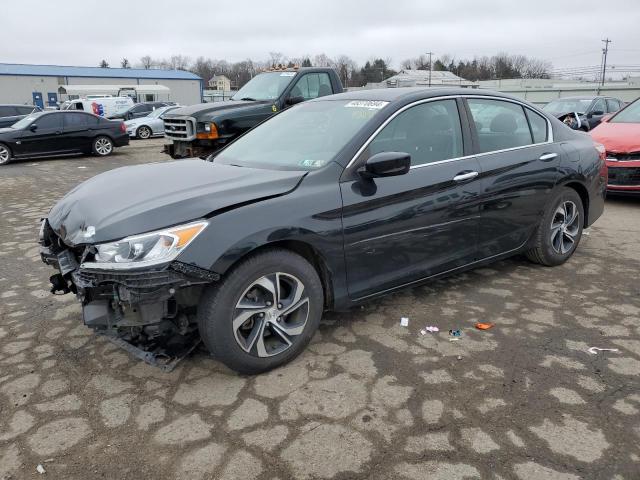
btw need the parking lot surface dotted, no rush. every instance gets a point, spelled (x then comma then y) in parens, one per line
(368, 399)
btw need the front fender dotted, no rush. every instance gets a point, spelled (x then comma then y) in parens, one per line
(311, 215)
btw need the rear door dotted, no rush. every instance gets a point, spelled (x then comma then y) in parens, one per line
(399, 230)
(78, 130)
(519, 169)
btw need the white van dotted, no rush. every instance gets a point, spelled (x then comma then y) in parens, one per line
(102, 106)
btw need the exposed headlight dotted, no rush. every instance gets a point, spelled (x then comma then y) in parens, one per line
(147, 249)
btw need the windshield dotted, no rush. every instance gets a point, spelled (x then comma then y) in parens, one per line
(566, 105)
(159, 111)
(305, 137)
(631, 114)
(20, 124)
(266, 86)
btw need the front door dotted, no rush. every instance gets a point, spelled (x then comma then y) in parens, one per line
(46, 138)
(519, 170)
(398, 230)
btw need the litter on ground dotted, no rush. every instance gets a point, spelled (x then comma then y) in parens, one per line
(429, 329)
(404, 321)
(595, 350)
(484, 326)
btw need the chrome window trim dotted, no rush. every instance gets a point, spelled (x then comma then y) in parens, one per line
(448, 97)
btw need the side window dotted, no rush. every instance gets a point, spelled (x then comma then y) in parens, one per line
(24, 110)
(612, 105)
(599, 106)
(538, 125)
(428, 132)
(7, 111)
(312, 85)
(75, 120)
(49, 122)
(499, 124)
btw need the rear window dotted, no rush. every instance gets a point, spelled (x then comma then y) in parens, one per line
(25, 110)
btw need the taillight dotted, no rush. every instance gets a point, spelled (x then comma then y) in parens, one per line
(123, 127)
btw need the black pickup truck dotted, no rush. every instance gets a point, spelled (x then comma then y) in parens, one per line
(199, 130)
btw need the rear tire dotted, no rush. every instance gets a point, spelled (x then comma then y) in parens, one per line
(5, 154)
(560, 229)
(263, 313)
(102, 146)
(143, 132)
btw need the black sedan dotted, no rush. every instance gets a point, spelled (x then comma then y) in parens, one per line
(47, 134)
(326, 205)
(583, 113)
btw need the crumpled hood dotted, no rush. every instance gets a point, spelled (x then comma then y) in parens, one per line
(138, 199)
(618, 137)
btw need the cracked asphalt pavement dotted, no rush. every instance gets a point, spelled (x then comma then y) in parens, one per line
(368, 399)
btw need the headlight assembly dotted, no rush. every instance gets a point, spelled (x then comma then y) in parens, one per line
(147, 249)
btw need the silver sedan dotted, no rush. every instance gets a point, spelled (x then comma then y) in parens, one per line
(149, 126)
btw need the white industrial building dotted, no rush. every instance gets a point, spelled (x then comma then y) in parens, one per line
(47, 85)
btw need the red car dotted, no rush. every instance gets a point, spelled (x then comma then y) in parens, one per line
(620, 134)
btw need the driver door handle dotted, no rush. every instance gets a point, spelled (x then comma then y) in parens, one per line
(462, 176)
(548, 156)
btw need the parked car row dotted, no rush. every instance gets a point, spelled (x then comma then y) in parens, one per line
(61, 132)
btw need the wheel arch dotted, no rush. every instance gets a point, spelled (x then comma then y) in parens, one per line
(582, 191)
(306, 251)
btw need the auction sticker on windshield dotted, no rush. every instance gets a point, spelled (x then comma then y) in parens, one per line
(371, 104)
(287, 74)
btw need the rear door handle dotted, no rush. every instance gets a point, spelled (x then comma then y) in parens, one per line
(462, 176)
(548, 156)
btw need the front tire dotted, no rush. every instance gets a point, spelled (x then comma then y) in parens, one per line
(5, 154)
(263, 313)
(560, 229)
(102, 146)
(143, 132)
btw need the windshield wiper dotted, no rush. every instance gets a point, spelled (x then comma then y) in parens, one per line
(248, 99)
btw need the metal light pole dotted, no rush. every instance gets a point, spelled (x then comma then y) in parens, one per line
(604, 63)
(430, 66)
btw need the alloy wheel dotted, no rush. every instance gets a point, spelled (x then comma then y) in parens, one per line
(270, 314)
(565, 227)
(4, 154)
(144, 132)
(103, 146)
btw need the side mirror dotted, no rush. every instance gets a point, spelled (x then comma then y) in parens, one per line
(33, 127)
(294, 100)
(386, 164)
(596, 113)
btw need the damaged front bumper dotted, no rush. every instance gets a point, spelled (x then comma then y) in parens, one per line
(151, 313)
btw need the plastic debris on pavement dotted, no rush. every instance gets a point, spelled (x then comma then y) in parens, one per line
(455, 333)
(429, 329)
(595, 350)
(404, 321)
(40, 469)
(484, 325)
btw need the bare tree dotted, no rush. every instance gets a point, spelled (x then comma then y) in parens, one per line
(146, 62)
(125, 63)
(104, 64)
(179, 62)
(276, 58)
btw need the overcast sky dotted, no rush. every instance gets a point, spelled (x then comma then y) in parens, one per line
(82, 32)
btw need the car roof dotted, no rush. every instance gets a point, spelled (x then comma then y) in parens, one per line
(412, 93)
(579, 97)
(16, 105)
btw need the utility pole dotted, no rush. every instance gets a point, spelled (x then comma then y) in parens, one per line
(430, 66)
(604, 62)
